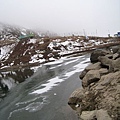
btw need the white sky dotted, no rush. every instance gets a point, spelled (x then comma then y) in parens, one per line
(64, 16)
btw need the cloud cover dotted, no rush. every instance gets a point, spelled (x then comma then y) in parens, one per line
(64, 16)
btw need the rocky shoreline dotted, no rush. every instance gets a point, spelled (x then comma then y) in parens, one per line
(99, 97)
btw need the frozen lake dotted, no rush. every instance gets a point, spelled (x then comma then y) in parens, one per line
(44, 95)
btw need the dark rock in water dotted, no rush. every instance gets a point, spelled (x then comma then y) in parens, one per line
(4, 87)
(95, 54)
(3, 90)
(2, 93)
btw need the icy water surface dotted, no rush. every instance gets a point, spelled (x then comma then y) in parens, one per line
(44, 94)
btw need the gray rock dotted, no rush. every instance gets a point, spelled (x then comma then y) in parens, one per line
(95, 115)
(95, 54)
(105, 61)
(116, 64)
(110, 56)
(115, 49)
(99, 87)
(102, 115)
(90, 77)
(88, 115)
(103, 71)
(94, 66)
(106, 79)
(76, 98)
(81, 100)
(116, 55)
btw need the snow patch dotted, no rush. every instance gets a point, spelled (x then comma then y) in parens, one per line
(33, 41)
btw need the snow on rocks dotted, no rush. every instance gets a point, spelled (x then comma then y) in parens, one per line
(32, 41)
(45, 49)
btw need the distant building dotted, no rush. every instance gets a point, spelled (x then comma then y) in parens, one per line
(117, 35)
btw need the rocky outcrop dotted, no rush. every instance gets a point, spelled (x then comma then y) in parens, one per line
(99, 97)
(90, 77)
(94, 56)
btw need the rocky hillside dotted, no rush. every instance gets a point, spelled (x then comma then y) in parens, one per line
(17, 52)
(12, 32)
(9, 32)
(99, 97)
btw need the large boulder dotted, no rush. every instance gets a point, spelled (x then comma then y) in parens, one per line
(113, 65)
(95, 115)
(103, 71)
(95, 54)
(106, 62)
(81, 100)
(88, 115)
(94, 66)
(116, 64)
(90, 77)
(76, 98)
(115, 49)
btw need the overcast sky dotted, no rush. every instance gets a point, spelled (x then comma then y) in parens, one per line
(64, 16)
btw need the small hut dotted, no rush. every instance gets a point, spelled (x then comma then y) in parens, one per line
(23, 37)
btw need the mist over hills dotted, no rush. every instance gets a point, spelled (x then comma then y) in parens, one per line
(12, 32)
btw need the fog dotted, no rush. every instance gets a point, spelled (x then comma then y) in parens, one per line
(94, 17)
